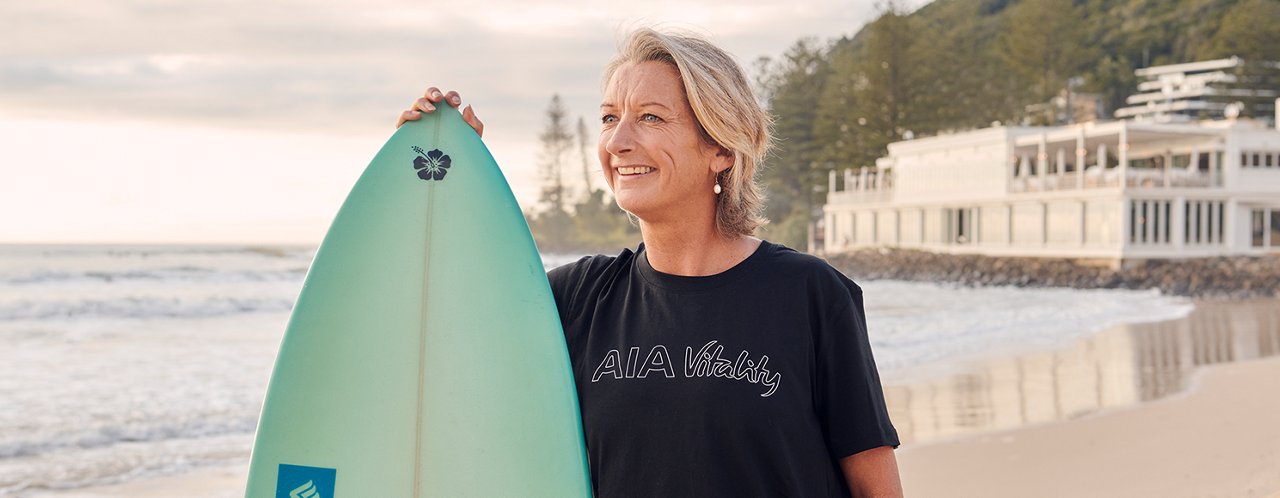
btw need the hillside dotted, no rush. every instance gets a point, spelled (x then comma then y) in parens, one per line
(963, 64)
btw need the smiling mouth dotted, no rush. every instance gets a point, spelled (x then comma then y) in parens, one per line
(634, 170)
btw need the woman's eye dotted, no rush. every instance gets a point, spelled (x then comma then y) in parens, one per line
(649, 118)
(608, 118)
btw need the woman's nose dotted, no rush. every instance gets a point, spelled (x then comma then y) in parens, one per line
(619, 140)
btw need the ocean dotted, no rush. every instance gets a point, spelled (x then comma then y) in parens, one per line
(118, 363)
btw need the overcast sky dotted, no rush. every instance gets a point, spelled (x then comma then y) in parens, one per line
(248, 121)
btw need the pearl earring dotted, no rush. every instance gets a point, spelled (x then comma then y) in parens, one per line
(717, 189)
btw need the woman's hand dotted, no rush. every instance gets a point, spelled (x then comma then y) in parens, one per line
(428, 104)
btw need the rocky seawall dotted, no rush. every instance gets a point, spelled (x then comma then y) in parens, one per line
(1221, 277)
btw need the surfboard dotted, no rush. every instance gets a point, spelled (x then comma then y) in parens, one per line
(424, 356)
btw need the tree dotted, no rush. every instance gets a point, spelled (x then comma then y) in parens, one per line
(962, 64)
(894, 84)
(556, 144)
(837, 126)
(550, 222)
(1249, 30)
(585, 152)
(1043, 46)
(1113, 78)
(965, 79)
(789, 172)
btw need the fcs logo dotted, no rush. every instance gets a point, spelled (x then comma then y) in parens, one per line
(307, 490)
(299, 481)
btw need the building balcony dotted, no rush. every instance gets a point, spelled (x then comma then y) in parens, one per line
(860, 197)
(866, 186)
(1095, 178)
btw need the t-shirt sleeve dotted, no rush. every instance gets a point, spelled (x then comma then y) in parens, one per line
(565, 281)
(850, 399)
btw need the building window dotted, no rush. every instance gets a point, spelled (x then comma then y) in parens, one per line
(1222, 222)
(1203, 222)
(958, 225)
(1135, 221)
(1275, 228)
(1149, 222)
(1164, 225)
(1259, 159)
(1259, 222)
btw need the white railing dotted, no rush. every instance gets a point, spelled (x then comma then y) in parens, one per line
(1110, 178)
(865, 186)
(1168, 177)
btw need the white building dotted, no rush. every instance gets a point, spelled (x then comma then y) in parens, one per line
(1117, 191)
(1203, 90)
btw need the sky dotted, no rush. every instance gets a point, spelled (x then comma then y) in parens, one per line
(237, 121)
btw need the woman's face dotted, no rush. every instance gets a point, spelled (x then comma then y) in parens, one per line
(653, 156)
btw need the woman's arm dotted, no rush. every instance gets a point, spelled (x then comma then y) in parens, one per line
(872, 473)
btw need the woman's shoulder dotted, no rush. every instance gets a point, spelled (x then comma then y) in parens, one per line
(786, 260)
(568, 278)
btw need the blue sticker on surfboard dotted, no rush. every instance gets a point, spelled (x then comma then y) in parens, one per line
(298, 481)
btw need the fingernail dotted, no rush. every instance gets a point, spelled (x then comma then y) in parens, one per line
(455, 100)
(435, 94)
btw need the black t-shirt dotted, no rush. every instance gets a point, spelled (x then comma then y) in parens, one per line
(752, 382)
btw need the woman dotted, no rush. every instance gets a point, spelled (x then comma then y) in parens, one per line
(709, 362)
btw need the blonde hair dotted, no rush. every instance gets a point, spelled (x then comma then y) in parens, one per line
(727, 112)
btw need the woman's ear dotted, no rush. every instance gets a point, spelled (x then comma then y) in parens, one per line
(723, 160)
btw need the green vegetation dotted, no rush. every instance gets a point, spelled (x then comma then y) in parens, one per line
(952, 65)
(964, 64)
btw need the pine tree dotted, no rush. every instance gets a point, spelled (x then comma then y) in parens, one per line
(1043, 46)
(838, 127)
(556, 144)
(789, 173)
(585, 152)
(551, 223)
(892, 75)
(1249, 30)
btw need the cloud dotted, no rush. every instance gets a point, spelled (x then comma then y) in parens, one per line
(348, 64)
(144, 81)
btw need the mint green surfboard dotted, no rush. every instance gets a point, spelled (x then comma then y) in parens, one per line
(425, 356)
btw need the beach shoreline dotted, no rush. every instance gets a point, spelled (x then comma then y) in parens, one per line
(1178, 446)
(1008, 463)
(1189, 424)
(1222, 277)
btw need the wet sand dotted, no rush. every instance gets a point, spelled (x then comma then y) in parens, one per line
(1184, 408)
(223, 481)
(1219, 439)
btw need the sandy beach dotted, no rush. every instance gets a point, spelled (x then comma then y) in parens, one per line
(1218, 439)
(1185, 408)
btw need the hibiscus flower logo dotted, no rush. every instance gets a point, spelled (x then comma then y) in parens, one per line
(431, 165)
